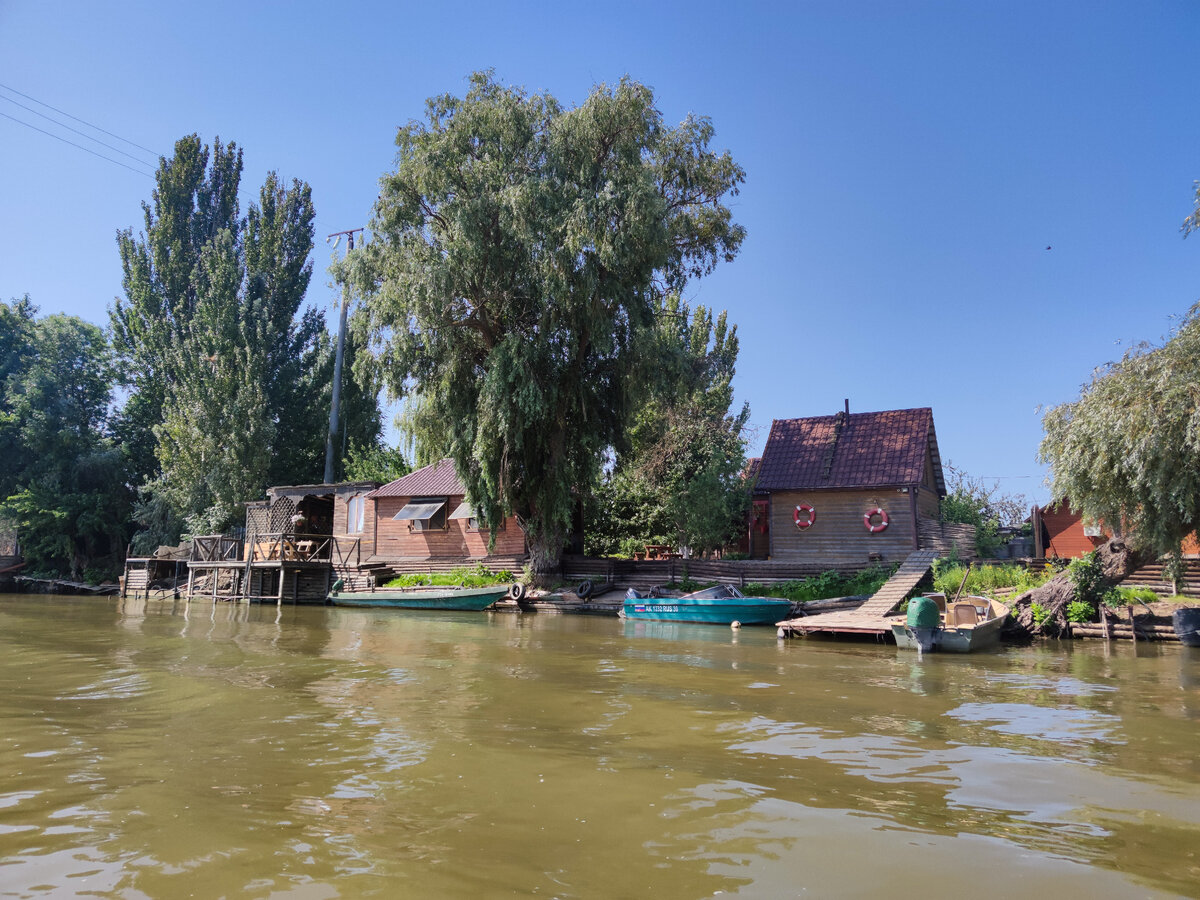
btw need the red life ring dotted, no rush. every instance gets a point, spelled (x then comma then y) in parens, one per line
(870, 514)
(804, 508)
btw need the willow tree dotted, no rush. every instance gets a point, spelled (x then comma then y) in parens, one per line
(1126, 451)
(518, 252)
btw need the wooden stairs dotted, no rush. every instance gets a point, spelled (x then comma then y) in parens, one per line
(871, 617)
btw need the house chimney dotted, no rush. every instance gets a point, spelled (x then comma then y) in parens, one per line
(847, 406)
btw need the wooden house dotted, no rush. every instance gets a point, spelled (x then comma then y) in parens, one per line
(849, 489)
(424, 516)
(1060, 531)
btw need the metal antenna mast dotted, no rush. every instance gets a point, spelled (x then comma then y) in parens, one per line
(337, 362)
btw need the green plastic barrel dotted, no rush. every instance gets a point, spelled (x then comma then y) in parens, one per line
(923, 612)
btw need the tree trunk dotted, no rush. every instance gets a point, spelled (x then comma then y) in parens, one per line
(1119, 561)
(545, 557)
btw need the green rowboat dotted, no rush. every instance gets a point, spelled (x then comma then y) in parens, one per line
(422, 598)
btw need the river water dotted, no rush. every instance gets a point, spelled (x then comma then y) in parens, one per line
(165, 750)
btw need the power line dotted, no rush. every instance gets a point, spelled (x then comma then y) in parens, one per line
(83, 134)
(81, 121)
(115, 162)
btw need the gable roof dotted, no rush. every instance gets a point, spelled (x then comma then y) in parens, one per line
(859, 450)
(437, 479)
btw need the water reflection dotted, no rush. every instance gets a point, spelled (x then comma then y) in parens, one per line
(150, 747)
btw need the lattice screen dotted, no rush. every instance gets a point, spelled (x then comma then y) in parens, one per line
(282, 511)
(257, 519)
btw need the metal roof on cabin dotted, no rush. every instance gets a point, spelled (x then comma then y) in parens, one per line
(318, 490)
(435, 480)
(875, 449)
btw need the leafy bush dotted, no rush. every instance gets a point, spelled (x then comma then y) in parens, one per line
(479, 576)
(1040, 613)
(1087, 574)
(1079, 612)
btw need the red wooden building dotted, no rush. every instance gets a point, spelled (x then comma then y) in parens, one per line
(1058, 530)
(425, 516)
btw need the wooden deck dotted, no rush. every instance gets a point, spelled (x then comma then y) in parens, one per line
(875, 615)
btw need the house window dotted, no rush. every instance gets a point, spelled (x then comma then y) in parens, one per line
(474, 524)
(356, 508)
(424, 514)
(466, 511)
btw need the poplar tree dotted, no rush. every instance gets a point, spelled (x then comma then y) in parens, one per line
(228, 377)
(518, 253)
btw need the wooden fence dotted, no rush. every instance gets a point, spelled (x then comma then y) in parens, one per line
(639, 572)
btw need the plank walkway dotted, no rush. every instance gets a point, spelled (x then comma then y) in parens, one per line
(871, 617)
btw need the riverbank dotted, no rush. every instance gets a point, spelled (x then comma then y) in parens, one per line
(25, 584)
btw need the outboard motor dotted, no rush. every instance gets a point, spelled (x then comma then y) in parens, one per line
(924, 622)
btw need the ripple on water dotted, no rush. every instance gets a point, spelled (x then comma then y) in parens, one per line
(1063, 725)
(121, 686)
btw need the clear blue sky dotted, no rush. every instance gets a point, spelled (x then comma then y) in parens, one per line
(908, 165)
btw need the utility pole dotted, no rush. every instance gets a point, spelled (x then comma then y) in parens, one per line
(337, 361)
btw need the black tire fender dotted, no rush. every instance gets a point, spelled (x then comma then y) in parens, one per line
(584, 591)
(517, 591)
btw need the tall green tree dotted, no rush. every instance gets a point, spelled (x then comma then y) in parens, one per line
(1126, 451)
(519, 252)
(17, 329)
(228, 374)
(679, 477)
(62, 482)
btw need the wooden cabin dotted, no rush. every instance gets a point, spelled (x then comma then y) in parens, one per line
(425, 516)
(324, 510)
(854, 488)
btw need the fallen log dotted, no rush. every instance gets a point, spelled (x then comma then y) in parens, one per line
(1117, 560)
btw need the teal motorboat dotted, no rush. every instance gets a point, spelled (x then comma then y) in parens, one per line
(720, 605)
(972, 623)
(448, 598)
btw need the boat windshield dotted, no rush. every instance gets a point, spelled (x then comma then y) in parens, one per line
(717, 592)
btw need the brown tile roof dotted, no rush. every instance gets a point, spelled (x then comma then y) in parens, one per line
(874, 449)
(437, 480)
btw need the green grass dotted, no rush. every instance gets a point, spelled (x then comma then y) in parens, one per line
(467, 578)
(984, 580)
(1123, 596)
(824, 586)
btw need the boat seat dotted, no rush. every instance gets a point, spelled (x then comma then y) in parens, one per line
(965, 614)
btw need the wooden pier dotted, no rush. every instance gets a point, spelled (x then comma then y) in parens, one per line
(873, 616)
(299, 568)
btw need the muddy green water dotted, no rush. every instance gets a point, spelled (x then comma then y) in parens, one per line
(160, 750)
